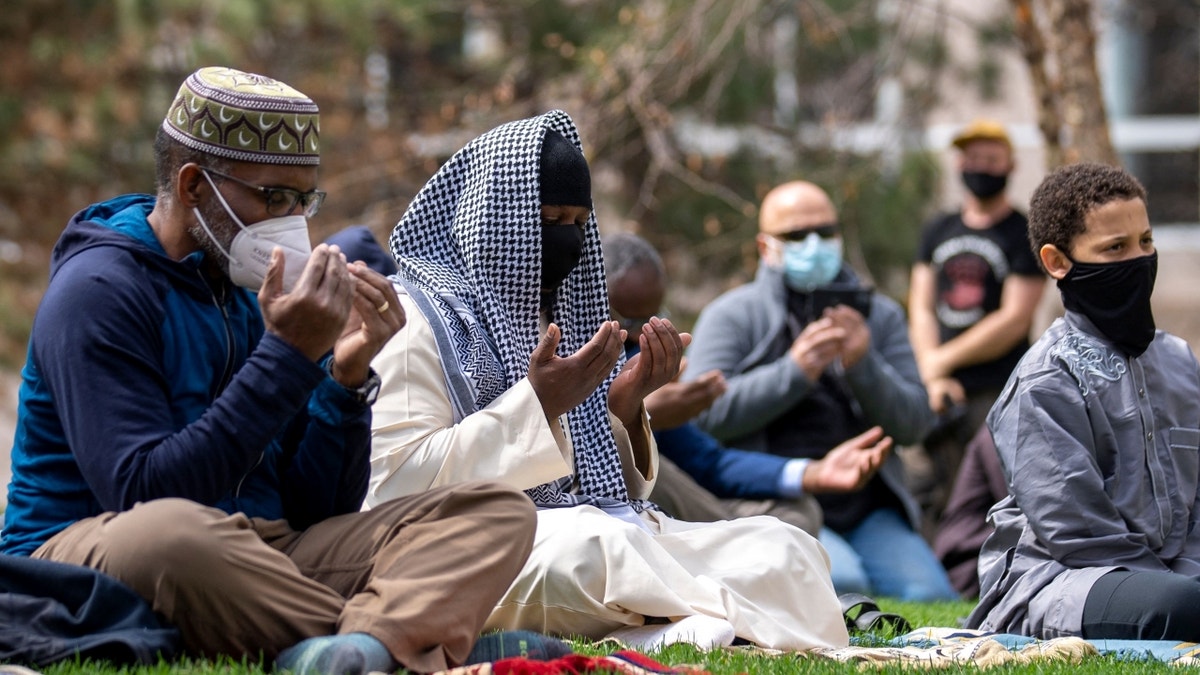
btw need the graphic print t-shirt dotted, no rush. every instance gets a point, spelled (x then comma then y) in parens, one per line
(970, 267)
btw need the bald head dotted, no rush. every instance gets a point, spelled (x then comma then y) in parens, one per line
(798, 205)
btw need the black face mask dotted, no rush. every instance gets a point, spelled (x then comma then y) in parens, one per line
(1115, 297)
(984, 185)
(562, 246)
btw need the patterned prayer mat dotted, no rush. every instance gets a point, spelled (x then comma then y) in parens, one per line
(924, 648)
(1167, 651)
(619, 663)
(948, 647)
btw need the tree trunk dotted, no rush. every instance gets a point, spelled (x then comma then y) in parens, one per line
(1060, 51)
(1045, 92)
(1084, 124)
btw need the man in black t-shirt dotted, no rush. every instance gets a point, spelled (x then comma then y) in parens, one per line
(970, 268)
(975, 286)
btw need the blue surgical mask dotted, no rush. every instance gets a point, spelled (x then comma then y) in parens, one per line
(812, 262)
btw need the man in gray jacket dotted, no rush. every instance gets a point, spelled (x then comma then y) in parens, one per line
(813, 358)
(1097, 430)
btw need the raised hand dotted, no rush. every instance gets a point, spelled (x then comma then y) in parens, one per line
(376, 316)
(849, 466)
(674, 403)
(313, 314)
(563, 383)
(857, 338)
(817, 346)
(655, 365)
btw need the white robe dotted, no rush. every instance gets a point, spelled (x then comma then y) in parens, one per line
(591, 573)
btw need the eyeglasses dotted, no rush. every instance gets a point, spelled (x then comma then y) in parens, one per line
(281, 201)
(634, 326)
(826, 231)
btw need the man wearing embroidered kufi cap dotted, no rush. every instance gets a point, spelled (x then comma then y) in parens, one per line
(209, 446)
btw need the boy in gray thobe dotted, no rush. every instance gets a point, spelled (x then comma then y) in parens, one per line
(1097, 430)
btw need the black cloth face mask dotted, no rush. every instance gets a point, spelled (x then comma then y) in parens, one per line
(562, 246)
(1116, 298)
(984, 185)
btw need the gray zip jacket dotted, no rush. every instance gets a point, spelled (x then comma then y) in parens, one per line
(740, 333)
(1100, 453)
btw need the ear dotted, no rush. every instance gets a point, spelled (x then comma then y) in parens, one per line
(1056, 262)
(188, 185)
(764, 247)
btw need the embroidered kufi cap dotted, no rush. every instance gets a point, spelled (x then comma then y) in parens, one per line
(245, 117)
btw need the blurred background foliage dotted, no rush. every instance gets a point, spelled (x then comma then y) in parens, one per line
(690, 110)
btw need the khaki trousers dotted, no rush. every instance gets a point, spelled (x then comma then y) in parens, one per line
(421, 573)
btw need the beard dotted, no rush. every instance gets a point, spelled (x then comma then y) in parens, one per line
(223, 230)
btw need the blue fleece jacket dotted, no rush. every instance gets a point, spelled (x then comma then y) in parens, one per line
(145, 379)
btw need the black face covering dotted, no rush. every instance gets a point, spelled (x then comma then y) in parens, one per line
(563, 180)
(1115, 297)
(562, 246)
(984, 185)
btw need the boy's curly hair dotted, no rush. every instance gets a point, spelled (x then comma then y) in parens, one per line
(1060, 204)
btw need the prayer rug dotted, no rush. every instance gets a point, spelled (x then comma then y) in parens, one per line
(618, 663)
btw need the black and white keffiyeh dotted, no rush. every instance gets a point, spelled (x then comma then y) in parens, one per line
(469, 251)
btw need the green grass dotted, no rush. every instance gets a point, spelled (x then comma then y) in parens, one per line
(721, 662)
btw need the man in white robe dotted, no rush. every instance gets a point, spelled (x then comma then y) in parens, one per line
(509, 369)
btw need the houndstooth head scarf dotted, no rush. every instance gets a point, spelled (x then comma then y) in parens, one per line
(469, 251)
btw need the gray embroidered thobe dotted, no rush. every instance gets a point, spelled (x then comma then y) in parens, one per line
(1100, 455)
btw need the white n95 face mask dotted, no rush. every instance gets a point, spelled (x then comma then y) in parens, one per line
(249, 253)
